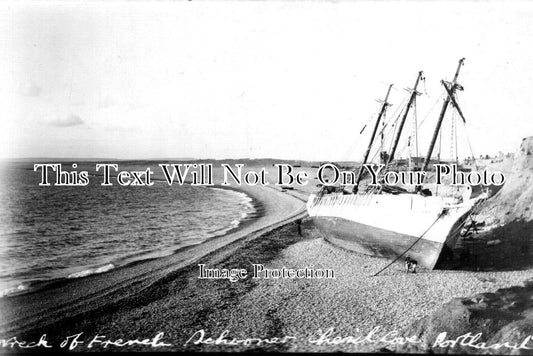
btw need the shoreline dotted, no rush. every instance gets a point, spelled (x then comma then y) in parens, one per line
(353, 304)
(35, 285)
(26, 310)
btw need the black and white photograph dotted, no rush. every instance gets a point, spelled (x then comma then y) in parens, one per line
(281, 176)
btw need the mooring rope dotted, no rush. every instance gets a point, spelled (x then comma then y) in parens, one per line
(414, 243)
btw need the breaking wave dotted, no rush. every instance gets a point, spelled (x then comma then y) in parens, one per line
(89, 271)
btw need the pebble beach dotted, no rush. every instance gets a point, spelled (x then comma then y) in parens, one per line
(164, 298)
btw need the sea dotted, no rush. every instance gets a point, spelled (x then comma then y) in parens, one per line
(57, 232)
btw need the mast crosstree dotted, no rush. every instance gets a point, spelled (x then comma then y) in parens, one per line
(450, 90)
(450, 87)
(414, 93)
(383, 108)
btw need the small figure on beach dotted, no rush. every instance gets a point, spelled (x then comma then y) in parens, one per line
(299, 224)
(410, 265)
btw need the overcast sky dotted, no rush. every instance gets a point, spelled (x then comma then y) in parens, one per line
(282, 79)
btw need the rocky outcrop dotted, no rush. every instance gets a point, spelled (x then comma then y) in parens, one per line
(506, 237)
(515, 200)
(500, 322)
(488, 323)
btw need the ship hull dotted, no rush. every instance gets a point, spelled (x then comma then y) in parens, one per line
(374, 241)
(390, 226)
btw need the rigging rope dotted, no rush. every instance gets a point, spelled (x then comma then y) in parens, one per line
(418, 126)
(425, 88)
(456, 144)
(468, 140)
(453, 137)
(386, 126)
(470, 146)
(416, 129)
(347, 155)
(430, 111)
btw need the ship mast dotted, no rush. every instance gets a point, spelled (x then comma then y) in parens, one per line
(383, 108)
(400, 128)
(450, 88)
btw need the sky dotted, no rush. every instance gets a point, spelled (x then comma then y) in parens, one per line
(283, 79)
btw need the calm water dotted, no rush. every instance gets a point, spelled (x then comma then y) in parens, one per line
(57, 232)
